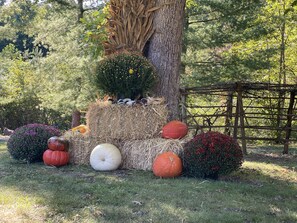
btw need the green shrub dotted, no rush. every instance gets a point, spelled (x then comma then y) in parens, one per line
(28, 142)
(211, 154)
(125, 75)
(25, 110)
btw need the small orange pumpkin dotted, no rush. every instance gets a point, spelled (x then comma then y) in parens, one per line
(58, 143)
(167, 165)
(174, 130)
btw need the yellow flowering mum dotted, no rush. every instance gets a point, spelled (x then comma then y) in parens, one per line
(131, 71)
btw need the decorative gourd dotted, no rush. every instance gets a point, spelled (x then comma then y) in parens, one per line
(81, 129)
(55, 158)
(58, 143)
(167, 165)
(105, 157)
(174, 130)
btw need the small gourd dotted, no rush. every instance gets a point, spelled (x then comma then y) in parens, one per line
(81, 129)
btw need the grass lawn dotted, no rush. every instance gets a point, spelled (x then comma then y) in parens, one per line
(263, 190)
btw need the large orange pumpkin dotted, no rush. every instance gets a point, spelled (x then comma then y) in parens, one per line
(55, 158)
(174, 130)
(167, 165)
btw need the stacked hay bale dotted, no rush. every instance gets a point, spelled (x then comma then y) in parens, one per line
(135, 130)
(81, 146)
(140, 154)
(122, 122)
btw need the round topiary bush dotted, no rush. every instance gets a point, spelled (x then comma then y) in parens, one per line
(125, 75)
(211, 154)
(28, 142)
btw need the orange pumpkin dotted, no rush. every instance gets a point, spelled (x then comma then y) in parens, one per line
(167, 165)
(58, 143)
(174, 130)
(55, 158)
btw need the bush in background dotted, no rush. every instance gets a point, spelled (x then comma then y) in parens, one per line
(211, 154)
(28, 142)
(125, 75)
(16, 113)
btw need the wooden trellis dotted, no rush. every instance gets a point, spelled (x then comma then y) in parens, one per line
(246, 111)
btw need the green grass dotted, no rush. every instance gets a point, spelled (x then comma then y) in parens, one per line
(263, 190)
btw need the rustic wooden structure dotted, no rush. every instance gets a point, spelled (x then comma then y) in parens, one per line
(247, 111)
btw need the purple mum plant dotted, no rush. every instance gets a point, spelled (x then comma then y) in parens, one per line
(28, 142)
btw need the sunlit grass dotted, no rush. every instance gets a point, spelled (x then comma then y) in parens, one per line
(272, 171)
(17, 206)
(263, 190)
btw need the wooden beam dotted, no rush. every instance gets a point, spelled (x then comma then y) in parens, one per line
(289, 122)
(228, 119)
(236, 118)
(241, 118)
(183, 108)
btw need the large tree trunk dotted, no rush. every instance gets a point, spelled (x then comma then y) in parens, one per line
(165, 51)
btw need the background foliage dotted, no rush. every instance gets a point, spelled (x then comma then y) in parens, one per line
(44, 61)
(234, 41)
(48, 49)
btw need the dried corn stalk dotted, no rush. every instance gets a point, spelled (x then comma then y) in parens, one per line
(130, 25)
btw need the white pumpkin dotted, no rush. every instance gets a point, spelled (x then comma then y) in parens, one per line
(105, 157)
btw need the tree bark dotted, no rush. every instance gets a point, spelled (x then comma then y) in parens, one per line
(80, 10)
(164, 51)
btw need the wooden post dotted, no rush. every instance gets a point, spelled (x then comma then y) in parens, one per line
(76, 116)
(235, 130)
(289, 122)
(241, 116)
(280, 105)
(183, 106)
(229, 106)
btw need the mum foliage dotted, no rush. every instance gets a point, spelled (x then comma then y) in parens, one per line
(125, 75)
(28, 142)
(212, 154)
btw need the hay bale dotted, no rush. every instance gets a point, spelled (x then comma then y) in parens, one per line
(140, 154)
(80, 148)
(121, 122)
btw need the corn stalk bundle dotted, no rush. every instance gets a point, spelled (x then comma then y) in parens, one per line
(130, 25)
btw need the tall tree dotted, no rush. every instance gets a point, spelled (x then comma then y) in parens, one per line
(212, 29)
(165, 48)
(62, 81)
(239, 41)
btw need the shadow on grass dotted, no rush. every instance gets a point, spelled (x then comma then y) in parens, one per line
(273, 155)
(79, 194)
